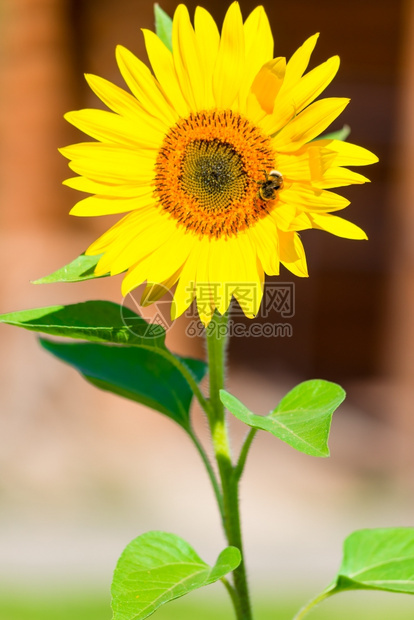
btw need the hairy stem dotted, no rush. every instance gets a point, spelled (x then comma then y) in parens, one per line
(216, 347)
(234, 597)
(210, 471)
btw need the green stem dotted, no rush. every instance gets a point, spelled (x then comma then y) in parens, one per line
(238, 470)
(234, 596)
(210, 471)
(315, 601)
(216, 347)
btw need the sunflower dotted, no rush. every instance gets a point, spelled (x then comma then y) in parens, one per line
(213, 160)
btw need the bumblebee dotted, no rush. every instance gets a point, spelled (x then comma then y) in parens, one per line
(272, 183)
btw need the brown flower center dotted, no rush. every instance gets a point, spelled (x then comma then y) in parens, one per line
(209, 171)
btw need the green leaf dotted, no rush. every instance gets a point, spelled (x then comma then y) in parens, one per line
(143, 369)
(145, 375)
(96, 321)
(163, 26)
(156, 568)
(378, 559)
(82, 268)
(374, 559)
(302, 419)
(340, 134)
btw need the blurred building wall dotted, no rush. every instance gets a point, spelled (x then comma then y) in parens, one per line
(398, 353)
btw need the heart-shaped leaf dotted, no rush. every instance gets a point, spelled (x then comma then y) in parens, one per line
(379, 559)
(374, 559)
(144, 375)
(95, 321)
(80, 269)
(156, 568)
(302, 419)
(163, 26)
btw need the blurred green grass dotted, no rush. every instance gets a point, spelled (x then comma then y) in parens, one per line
(66, 606)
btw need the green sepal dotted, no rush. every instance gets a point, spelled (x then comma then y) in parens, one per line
(80, 269)
(156, 568)
(302, 419)
(95, 321)
(143, 374)
(163, 26)
(340, 134)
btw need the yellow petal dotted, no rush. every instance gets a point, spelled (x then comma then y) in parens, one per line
(135, 276)
(265, 239)
(121, 102)
(205, 291)
(290, 102)
(221, 272)
(116, 165)
(309, 124)
(253, 110)
(301, 221)
(118, 241)
(236, 271)
(308, 164)
(110, 174)
(105, 151)
(83, 184)
(173, 255)
(316, 165)
(186, 288)
(208, 39)
(259, 40)
(288, 247)
(347, 154)
(162, 63)
(125, 226)
(109, 127)
(145, 88)
(305, 198)
(154, 292)
(292, 254)
(337, 226)
(107, 205)
(248, 275)
(298, 64)
(187, 62)
(267, 84)
(230, 66)
(283, 214)
(313, 160)
(339, 177)
(249, 295)
(258, 46)
(313, 83)
(160, 264)
(146, 237)
(297, 166)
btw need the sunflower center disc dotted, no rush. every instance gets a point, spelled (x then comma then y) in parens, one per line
(213, 174)
(208, 172)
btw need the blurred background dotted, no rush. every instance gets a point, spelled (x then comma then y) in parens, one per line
(83, 472)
